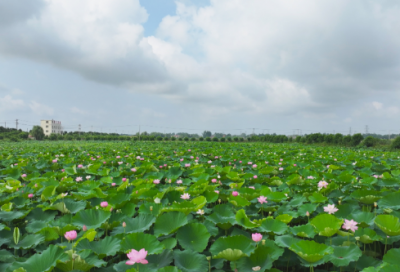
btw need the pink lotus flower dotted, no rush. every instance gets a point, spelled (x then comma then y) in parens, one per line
(84, 228)
(36, 185)
(254, 165)
(257, 237)
(179, 181)
(165, 165)
(80, 166)
(120, 162)
(209, 162)
(23, 175)
(216, 191)
(252, 187)
(62, 170)
(350, 225)
(79, 179)
(30, 195)
(160, 166)
(307, 213)
(331, 209)
(262, 199)
(70, 235)
(235, 193)
(156, 181)
(266, 162)
(118, 157)
(249, 162)
(322, 184)
(54, 161)
(104, 162)
(280, 163)
(187, 164)
(240, 161)
(185, 196)
(104, 204)
(214, 180)
(124, 224)
(189, 150)
(181, 159)
(327, 166)
(280, 168)
(255, 176)
(137, 257)
(113, 184)
(123, 179)
(294, 164)
(133, 169)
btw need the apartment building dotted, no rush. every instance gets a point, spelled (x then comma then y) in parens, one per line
(51, 126)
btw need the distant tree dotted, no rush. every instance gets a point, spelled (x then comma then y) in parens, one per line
(346, 140)
(356, 139)
(206, 134)
(370, 141)
(37, 132)
(396, 143)
(338, 138)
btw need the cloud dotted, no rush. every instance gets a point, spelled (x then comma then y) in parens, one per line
(40, 109)
(242, 58)
(78, 111)
(8, 103)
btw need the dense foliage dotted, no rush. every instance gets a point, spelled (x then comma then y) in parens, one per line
(197, 206)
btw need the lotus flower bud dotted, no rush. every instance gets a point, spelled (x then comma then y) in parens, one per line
(124, 224)
(84, 228)
(16, 235)
(340, 202)
(375, 204)
(219, 201)
(151, 208)
(263, 242)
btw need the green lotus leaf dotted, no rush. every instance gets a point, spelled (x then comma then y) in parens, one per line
(92, 219)
(285, 218)
(311, 251)
(273, 225)
(68, 205)
(364, 219)
(14, 173)
(190, 261)
(168, 223)
(343, 255)
(169, 243)
(317, 198)
(140, 223)
(366, 196)
(367, 235)
(107, 246)
(83, 261)
(35, 226)
(239, 201)
(389, 224)
(392, 256)
(244, 221)
(263, 256)
(49, 234)
(48, 192)
(188, 206)
(6, 256)
(94, 193)
(43, 262)
(308, 207)
(223, 216)
(232, 248)
(286, 240)
(10, 216)
(40, 215)
(370, 269)
(389, 268)
(306, 231)
(141, 240)
(326, 224)
(163, 259)
(169, 269)
(29, 241)
(193, 236)
(391, 201)
(276, 196)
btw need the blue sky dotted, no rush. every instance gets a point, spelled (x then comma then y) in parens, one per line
(220, 65)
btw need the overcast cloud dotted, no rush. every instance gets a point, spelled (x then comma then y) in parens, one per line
(222, 65)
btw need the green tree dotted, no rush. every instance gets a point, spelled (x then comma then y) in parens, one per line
(356, 139)
(370, 141)
(37, 132)
(206, 134)
(396, 143)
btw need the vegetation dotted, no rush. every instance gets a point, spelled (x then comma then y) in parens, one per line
(197, 206)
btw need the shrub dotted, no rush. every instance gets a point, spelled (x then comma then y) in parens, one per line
(229, 139)
(396, 143)
(369, 141)
(173, 139)
(242, 139)
(208, 139)
(159, 138)
(215, 139)
(236, 139)
(222, 140)
(193, 139)
(356, 139)
(201, 139)
(186, 139)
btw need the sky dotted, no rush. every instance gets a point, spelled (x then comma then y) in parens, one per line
(230, 66)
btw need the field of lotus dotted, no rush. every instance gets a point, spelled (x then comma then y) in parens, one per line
(197, 207)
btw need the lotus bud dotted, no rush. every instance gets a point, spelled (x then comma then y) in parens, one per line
(16, 235)
(208, 258)
(219, 201)
(307, 213)
(263, 242)
(357, 238)
(84, 228)
(124, 224)
(375, 204)
(340, 202)
(151, 208)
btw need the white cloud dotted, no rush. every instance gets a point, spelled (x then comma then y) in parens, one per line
(377, 105)
(78, 111)
(8, 103)
(40, 109)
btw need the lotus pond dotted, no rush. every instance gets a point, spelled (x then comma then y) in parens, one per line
(197, 207)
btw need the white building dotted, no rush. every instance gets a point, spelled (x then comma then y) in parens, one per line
(51, 126)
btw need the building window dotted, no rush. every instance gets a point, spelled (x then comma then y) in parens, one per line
(47, 131)
(47, 122)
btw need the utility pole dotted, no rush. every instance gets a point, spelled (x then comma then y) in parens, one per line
(16, 124)
(366, 129)
(139, 133)
(350, 131)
